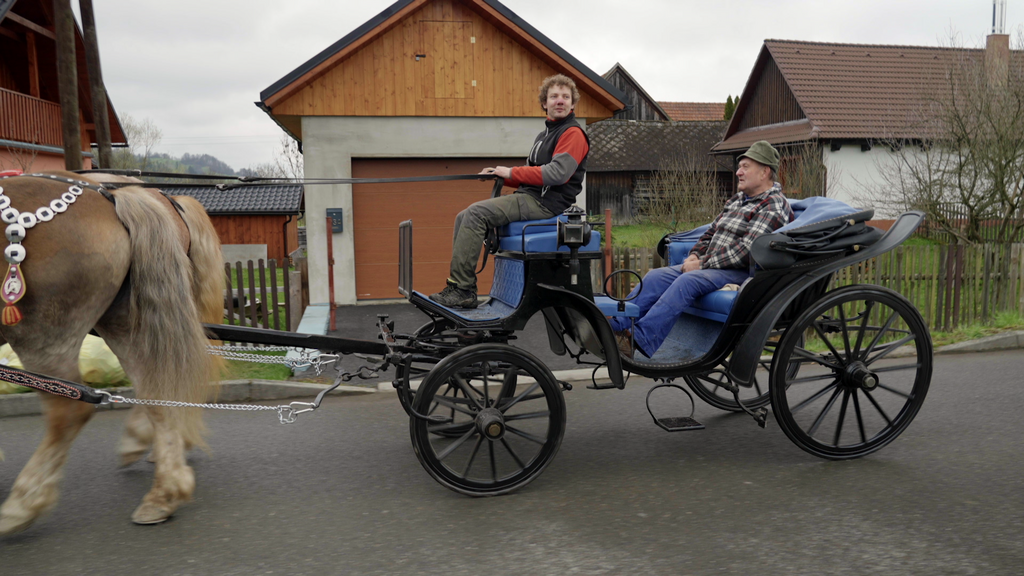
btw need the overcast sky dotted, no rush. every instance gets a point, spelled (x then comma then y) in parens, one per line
(195, 67)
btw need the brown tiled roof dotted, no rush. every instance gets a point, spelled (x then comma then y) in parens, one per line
(630, 145)
(694, 111)
(855, 91)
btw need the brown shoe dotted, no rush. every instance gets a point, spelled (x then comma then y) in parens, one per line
(624, 340)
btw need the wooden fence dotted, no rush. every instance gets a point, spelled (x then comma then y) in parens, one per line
(950, 285)
(263, 295)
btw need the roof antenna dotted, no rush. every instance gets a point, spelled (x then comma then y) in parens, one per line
(998, 16)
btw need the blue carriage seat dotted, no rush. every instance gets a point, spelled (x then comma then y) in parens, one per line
(534, 236)
(717, 305)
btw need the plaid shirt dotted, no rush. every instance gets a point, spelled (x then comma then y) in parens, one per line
(726, 244)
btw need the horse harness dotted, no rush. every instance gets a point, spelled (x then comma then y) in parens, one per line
(13, 287)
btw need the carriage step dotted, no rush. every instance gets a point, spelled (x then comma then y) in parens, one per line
(680, 424)
(674, 423)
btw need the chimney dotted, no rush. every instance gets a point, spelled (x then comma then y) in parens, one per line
(997, 59)
(997, 47)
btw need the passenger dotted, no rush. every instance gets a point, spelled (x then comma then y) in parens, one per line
(546, 186)
(721, 255)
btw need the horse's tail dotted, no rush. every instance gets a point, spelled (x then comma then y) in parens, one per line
(207, 267)
(207, 262)
(167, 335)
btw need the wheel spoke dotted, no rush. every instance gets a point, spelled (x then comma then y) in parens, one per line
(824, 411)
(824, 338)
(881, 333)
(815, 358)
(807, 379)
(479, 441)
(860, 419)
(877, 407)
(528, 436)
(451, 447)
(817, 395)
(453, 404)
(512, 452)
(863, 328)
(494, 466)
(894, 391)
(842, 416)
(448, 426)
(543, 414)
(846, 333)
(508, 384)
(471, 393)
(889, 348)
(895, 368)
(521, 397)
(485, 367)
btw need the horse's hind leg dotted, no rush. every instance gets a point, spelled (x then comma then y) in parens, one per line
(36, 489)
(137, 436)
(173, 479)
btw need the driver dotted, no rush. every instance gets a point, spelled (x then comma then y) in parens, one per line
(546, 186)
(721, 256)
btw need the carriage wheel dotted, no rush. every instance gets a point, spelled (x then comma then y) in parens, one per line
(855, 392)
(708, 385)
(509, 416)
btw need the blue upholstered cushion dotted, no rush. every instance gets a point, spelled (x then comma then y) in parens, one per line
(610, 307)
(546, 242)
(516, 228)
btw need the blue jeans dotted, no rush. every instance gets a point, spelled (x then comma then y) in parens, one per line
(666, 292)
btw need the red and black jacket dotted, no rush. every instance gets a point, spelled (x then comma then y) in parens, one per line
(557, 164)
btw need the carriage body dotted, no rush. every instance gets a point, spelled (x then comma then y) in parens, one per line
(478, 391)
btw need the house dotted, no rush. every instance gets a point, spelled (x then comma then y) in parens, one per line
(426, 87)
(639, 104)
(626, 155)
(30, 116)
(694, 111)
(844, 102)
(629, 149)
(252, 215)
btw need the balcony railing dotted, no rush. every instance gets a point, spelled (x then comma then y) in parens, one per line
(27, 119)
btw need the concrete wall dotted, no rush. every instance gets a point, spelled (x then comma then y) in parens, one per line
(330, 143)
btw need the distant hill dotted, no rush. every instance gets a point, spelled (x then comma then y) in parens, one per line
(188, 164)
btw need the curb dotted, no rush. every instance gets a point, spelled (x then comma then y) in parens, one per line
(256, 390)
(28, 404)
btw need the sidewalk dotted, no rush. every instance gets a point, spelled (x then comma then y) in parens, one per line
(357, 317)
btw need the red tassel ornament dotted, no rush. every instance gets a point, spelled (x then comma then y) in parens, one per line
(12, 315)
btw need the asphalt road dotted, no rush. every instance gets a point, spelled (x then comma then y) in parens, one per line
(341, 492)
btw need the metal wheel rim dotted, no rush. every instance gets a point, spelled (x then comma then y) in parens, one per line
(534, 413)
(824, 411)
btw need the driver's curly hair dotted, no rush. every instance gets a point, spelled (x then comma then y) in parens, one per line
(557, 80)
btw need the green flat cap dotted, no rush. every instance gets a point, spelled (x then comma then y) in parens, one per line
(763, 153)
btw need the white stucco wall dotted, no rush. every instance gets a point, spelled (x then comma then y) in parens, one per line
(330, 143)
(856, 176)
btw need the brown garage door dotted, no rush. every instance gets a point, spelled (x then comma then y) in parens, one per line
(432, 206)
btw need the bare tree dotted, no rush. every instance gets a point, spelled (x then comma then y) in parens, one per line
(67, 83)
(967, 168)
(288, 158)
(684, 193)
(142, 136)
(804, 172)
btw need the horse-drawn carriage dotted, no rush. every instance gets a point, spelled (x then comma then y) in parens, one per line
(845, 369)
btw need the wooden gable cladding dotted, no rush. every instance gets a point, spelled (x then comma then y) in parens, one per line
(442, 59)
(770, 102)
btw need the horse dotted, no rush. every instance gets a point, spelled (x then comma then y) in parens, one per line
(144, 274)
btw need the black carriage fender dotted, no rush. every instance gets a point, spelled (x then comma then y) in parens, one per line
(556, 296)
(751, 344)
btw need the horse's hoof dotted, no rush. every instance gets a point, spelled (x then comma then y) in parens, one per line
(12, 524)
(148, 513)
(129, 458)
